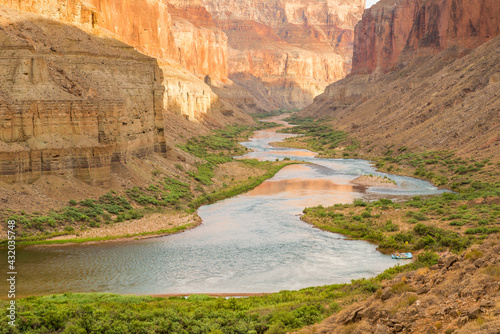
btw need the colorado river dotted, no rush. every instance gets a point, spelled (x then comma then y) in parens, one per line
(254, 242)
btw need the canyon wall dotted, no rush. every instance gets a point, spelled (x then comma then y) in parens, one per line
(72, 103)
(77, 98)
(395, 31)
(186, 44)
(425, 76)
(285, 52)
(200, 46)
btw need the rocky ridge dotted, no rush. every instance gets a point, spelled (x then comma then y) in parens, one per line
(430, 98)
(460, 294)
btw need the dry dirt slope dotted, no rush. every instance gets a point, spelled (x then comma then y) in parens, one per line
(461, 294)
(448, 101)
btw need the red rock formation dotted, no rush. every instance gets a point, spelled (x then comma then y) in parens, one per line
(200, 46)
(394, 31)
(285, 52)
(437, 92)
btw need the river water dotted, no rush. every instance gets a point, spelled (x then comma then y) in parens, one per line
(253, 242)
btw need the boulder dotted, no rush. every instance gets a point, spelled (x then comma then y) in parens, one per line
(386, 294)
(474, 312)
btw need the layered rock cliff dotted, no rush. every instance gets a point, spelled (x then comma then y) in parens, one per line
(286, 52)
(392, 32)
(186, 44)
(426, 89)
(76, 100)
(71, 103)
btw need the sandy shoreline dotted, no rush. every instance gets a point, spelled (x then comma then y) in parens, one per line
(213, 294)
(142, 228)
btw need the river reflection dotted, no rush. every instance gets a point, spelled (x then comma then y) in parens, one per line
(254, 242)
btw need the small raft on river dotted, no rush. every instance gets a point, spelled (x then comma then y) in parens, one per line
(402, 256)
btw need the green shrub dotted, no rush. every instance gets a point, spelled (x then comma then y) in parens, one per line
(428, 258)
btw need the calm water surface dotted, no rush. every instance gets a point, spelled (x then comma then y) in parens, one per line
(254, 242)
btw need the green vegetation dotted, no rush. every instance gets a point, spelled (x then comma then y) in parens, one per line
(319, 137)
(274, 313)
(443, 168)
(273, 113)
(427, 219)
(218, 148)
(162, 195)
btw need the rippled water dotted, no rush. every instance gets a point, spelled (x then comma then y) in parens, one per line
(254, 242)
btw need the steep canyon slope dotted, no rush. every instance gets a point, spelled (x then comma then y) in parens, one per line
(61, 106)
(285, 52)
(425, 75)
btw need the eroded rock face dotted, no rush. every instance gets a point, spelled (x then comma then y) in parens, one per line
(201, 47)
(179, 42)
(286, 52)
(395, 31)
(74, 104)
(416, 82)
(186, 45)
(71, 103)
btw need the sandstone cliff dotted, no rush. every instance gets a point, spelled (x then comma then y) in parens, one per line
(393, 31)
(186, 44)
(430, 98)
(286, 52)
(75, 101)
(72, 103)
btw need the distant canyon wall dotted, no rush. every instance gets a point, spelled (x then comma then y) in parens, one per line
(285, 52)
(395, 31)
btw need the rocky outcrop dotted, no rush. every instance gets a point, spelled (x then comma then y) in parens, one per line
(448, 297)
(71, 103)
(429, 98)
(286, 52)
(395, 31)
(149, 26)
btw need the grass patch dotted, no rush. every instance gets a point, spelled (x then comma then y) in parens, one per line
(101, 312)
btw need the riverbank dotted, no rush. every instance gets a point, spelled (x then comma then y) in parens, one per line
(164, 205)
(459, 294)
(272, 313)
(150, 226)
(452, 220)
